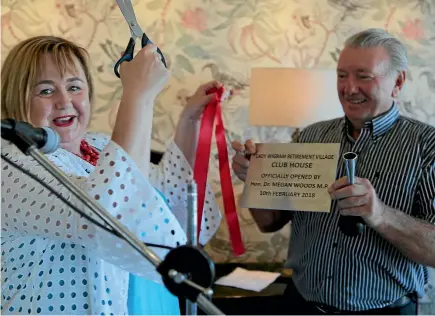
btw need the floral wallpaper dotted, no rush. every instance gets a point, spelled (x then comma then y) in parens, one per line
(223, 40)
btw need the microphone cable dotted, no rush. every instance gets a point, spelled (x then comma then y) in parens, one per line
(76, 209)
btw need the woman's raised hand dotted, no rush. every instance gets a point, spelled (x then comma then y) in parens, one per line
(144, 76)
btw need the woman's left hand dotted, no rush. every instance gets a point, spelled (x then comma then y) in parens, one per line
(197, 102)
(187, 130)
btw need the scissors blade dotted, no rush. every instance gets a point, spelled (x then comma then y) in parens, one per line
(127, 11)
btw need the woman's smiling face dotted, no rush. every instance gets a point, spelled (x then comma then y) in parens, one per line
(61, 101)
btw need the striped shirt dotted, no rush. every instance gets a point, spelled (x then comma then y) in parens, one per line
(397, 155)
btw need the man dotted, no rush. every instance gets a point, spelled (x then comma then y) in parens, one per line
(383, 269)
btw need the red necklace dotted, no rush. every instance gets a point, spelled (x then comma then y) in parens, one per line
(89, 153)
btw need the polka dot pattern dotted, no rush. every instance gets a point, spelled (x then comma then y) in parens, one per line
(56, 262)
(171, 177)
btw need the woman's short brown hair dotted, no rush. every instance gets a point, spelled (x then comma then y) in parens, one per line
(22, 65)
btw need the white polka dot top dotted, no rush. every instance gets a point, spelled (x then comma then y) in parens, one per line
(54, 261)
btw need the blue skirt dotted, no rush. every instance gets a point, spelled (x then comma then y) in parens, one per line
(149, 298)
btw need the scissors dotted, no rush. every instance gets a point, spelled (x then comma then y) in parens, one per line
(136, 32)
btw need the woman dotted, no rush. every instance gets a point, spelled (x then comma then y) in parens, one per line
(54, 261)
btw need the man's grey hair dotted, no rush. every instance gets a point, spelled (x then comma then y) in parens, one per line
(376, 37)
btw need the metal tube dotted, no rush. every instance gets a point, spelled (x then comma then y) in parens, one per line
(208, 307)
(192, 213)
(351, 225)
(350, 164)
(192, 235)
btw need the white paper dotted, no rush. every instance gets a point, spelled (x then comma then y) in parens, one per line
(248, 280)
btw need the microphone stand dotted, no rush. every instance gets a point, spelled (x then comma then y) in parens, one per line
(192, 239)
(178, 283)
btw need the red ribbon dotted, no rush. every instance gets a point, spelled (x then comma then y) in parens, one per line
(212, 114)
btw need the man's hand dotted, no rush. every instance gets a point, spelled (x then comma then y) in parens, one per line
(414, 237)
(241, 158)
(268, 221)
(358, 199)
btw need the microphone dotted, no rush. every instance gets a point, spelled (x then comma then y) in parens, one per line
(45, 138)
(351, 225)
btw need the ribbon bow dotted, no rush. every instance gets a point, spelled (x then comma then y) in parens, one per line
(212, 114)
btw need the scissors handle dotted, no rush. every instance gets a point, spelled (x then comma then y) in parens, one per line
(129, 53)
(146, 41)
(127, 56)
